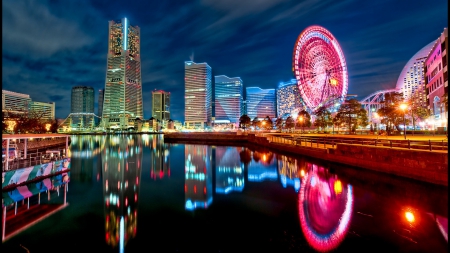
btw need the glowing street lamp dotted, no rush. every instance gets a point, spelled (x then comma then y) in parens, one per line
(301, 122)
(403, 108)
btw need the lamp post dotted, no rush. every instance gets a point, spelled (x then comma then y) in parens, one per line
(301, 123)
(403, 107)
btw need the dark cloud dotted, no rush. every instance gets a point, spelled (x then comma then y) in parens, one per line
(51, 46)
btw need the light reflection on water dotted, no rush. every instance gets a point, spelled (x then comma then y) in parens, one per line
(229, 198)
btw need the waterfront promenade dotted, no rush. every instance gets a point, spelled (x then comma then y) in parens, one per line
(422, 158)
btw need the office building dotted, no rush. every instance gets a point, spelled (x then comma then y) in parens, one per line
(289, 101)
(260, 103)
(197, 95)
(15, 102)
(161, 105)
(42, 110)
(437, 80)
(228, 99)
(101, 96)
(122, 102)
(82, 102)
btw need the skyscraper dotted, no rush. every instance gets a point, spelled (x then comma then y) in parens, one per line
(82, 102)
(123, 86)
(15, 102)
(197, 94)
(161, 105)
(43, 110)
(101, 96)
(289, 101)
(229, 99)
(260, 102)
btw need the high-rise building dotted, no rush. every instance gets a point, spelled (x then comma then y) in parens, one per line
(411, 81)
(82, 102)
(228, 99)
(43, 110)
(289, 101)
(437, 79)
(197, 94)
(260, 103)
(101, 96)
(123, 86)
(15, 102)
(161, 105)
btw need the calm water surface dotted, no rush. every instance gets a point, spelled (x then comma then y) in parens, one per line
(135, 193)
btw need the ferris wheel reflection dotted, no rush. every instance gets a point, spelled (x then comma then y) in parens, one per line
(325, 208)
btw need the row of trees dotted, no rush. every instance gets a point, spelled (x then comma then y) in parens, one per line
(350, 114)
(27, 122)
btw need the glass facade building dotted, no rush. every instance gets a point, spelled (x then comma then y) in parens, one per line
(82, 102)
(260, 102)
(101, 96)
(228, 99)
(197, 94)
(289, 101)
(46, 111)
(123, 86)
(161, 105)
(15, 102)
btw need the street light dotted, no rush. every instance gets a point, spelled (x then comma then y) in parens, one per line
(301, 122)
(403, 107)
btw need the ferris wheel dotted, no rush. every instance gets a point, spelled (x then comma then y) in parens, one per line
(320, 69)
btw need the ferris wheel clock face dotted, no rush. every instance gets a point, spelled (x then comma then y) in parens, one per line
(319, 67)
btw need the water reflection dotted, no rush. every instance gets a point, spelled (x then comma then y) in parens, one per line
(198, 176)
(325, 208)
(262, 167)
(159, 157)
(229, 170)
(121, 168)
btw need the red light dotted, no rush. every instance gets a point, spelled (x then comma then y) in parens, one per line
(204, 189)
(185, 188)
(195, 189)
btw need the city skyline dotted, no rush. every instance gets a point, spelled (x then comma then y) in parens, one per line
(56, 46)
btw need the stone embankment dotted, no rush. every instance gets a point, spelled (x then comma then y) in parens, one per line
(422, 165)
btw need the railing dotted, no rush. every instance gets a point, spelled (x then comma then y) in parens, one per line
(318, 142)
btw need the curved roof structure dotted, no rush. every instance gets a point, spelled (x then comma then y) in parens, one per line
(412, 75)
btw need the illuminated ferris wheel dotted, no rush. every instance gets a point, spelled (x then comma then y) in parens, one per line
(320, 69)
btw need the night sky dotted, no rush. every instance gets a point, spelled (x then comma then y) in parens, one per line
(50, 46)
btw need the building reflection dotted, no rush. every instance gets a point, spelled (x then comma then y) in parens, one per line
(325, 208)
(262, 167)
(121, 169)
(291, 170)
(159, 157)
(198, 176)
(229, 170)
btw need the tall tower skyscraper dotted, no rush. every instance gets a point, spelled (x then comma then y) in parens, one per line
(260, 102)
(289, 101)
(101, 97)
(197, 94)
(123, 86)
(161, 105)
(229, 99)
(82, 102)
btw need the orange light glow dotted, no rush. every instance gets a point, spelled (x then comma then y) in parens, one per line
(47, 127)
(333, 81)
(302, 173)
(338, 187)
(409, 216)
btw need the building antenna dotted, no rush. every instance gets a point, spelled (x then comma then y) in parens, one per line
(192, 56)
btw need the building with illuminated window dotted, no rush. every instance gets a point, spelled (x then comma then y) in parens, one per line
(15, 102)
(82, 102)
(123, 86)
(437, 79)
(101, 96)
(411, 82)
(161, 105)
(197, 95)
(260, 103)
(43, 110)
(289, 101)
(228, 99)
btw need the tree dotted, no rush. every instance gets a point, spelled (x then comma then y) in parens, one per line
(256, 123)
(389, 112)
(290, 123)
(323, 117)
(25, 121)
(303, 119)
(279, 123)
(352, 113)
(267, 123)
(245, 121)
